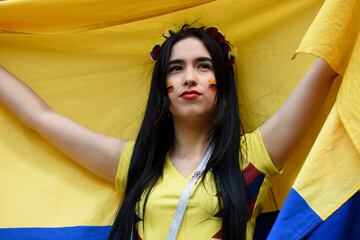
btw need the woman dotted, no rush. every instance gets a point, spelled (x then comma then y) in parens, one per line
(191, 120)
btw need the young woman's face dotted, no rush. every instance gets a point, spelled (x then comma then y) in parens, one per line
(191, 80)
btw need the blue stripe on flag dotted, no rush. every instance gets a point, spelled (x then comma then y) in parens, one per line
(296, 219)
(61, 233)
(342, 224)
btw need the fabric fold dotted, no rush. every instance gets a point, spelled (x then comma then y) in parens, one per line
(65, 16)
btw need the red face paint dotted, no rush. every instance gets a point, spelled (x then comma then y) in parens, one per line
(212, 84)
(170, 87)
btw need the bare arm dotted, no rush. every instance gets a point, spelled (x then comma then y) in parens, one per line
(286, 127)
(97, 152)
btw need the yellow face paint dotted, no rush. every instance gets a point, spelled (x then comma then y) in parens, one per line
(170, 87)
(212, 84)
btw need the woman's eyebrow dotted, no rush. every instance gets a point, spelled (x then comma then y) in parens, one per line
(199, 59)
(175, 61)
(203, 59)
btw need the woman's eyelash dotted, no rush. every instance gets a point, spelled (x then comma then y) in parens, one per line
(178, 68)
(174, 68)
(204, 65)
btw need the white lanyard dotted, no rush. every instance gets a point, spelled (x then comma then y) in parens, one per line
(185, 195)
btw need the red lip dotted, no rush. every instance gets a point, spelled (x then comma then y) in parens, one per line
(192, 92)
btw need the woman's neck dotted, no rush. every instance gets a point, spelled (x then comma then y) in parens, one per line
(191, 139)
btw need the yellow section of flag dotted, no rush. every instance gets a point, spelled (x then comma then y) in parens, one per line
(90, 61)
(330, 174)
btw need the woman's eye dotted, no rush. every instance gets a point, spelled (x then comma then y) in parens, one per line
(205, 66)
(174, 69)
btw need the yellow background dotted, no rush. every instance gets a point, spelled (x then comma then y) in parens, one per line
(90, 61)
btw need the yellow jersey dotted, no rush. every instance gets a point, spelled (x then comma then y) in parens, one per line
(202, 218)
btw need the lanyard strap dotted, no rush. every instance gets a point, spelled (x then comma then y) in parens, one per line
(185, 195)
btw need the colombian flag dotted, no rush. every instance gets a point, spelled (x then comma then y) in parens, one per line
(89, 60)
(324, 201)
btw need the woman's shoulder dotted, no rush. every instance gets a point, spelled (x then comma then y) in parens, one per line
(123, 167)
(253, 151)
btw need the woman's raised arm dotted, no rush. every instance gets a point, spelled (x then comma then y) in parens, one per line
(96, 152)
(285, 128)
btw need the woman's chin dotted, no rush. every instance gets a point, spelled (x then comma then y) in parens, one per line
(193, 115)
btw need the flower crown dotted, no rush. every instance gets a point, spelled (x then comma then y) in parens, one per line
(213, 32)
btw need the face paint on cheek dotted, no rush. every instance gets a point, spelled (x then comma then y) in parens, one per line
(170, 87)
(212, 84)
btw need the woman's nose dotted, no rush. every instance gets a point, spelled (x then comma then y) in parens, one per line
(190, 83)
(190, 78)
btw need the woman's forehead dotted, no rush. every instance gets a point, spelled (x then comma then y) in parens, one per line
(188, 49)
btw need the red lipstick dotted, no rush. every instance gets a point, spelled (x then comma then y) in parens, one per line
(190, 95)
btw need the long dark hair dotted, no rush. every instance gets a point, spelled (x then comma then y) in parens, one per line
(156, 136)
